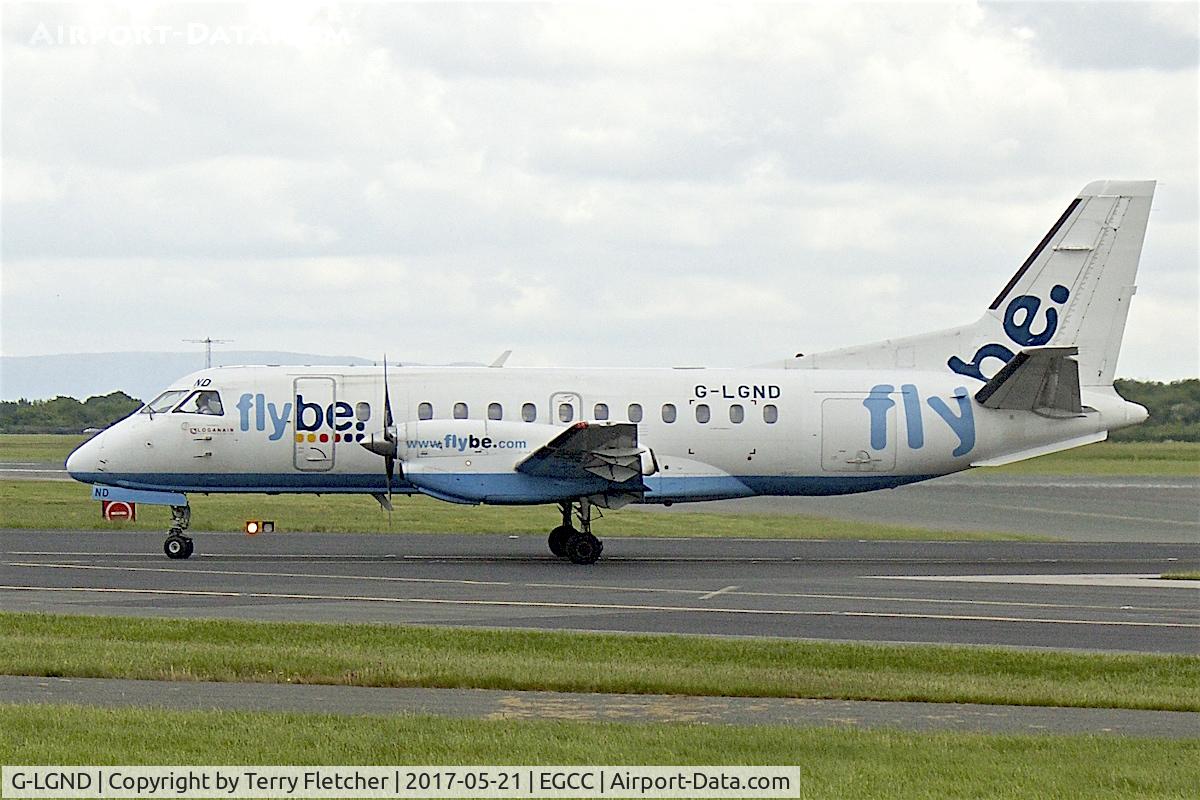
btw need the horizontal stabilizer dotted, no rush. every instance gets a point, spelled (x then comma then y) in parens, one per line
(1042, 450)
(1040, 379)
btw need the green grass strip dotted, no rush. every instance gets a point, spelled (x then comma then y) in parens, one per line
(834, 762)
(1181, 576)
(1163, 459)
(383, 655)
(57, 505)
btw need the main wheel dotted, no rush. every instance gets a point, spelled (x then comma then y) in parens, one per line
(583, 548)
(177, 546)
(558, 539)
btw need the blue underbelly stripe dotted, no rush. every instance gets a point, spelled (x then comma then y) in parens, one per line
(500, 487)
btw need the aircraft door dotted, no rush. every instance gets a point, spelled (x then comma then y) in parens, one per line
(565, 408)
(314, 436)
(858, 434)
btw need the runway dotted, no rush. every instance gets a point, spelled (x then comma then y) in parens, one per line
(1086, 596)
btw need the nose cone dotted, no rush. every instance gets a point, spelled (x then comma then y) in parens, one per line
(84, 461)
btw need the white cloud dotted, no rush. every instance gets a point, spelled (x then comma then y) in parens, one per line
(653, 185)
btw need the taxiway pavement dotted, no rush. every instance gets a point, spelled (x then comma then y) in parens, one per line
(1078, 595)
(501, 704)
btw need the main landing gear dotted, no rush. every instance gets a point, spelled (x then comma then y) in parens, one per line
(177, 545)
(580, 546)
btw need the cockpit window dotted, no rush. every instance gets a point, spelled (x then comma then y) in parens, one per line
(202, 402)
(164, 401)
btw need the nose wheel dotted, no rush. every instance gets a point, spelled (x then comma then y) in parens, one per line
(177, 544)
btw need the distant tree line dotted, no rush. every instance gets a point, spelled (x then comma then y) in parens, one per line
(65, 414)
(1174, 412)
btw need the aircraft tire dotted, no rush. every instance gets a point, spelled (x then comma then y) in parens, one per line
(178, 547)
(558, 540)
(584, 548)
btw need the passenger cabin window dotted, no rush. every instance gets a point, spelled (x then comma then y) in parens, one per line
(529, 412)
(770, 414)
(362, 411)
(703, 414)
(495, 411)
(164, 401)
(566, 412)
(425, 411)
(460, 410)
(635, 412)
(668, 412)
(202, 402)
(601, 411)
(736, 413)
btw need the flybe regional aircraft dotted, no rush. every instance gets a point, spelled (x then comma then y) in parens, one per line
(1033, 375)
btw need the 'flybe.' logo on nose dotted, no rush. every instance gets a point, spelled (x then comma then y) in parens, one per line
(339, 417)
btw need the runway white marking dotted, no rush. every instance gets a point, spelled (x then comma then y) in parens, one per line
(1095, 514)
(185, 571)
(56, 471)
(591, 606)
(455, 558)
(728, 590)
(1150, 580)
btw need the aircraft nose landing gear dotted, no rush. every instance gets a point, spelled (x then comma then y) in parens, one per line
(177, 544)
(580, 546)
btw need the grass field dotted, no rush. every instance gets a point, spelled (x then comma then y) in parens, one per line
(834, 762)
(1181, 576)
(38, 448)
(63, 505)
(379, 655)
(1163, 459)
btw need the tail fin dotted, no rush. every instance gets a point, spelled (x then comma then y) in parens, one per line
(1072, 290)
(1083, 271)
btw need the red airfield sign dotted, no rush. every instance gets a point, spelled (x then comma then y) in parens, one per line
(118, 510)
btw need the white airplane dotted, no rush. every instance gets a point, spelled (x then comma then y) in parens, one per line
(1033, 375)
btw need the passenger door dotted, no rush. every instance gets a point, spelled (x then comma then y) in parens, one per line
(315, 444)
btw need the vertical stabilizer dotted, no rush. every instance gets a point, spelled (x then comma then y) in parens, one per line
(1074, 289)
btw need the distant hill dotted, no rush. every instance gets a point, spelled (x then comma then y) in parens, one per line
(142, 375)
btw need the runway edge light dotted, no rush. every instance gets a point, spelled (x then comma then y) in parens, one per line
(268, 526)
(252, 526)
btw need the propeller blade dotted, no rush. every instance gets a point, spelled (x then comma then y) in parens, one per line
(389, 435)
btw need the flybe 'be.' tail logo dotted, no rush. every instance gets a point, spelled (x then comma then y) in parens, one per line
(1020, 331)
(345, 423)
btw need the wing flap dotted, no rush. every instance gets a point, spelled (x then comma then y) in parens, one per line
(609, 451)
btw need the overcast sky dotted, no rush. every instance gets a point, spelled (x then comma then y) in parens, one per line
(601, 185)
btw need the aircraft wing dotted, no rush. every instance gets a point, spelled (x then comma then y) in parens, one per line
(1040, 379)
(584, 450)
